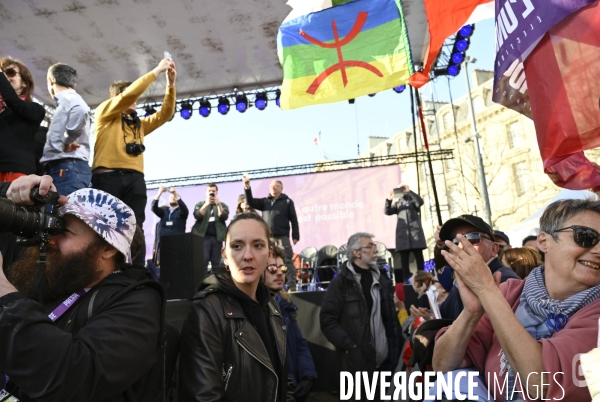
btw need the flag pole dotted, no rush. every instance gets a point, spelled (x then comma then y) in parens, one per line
(426, 143)
(414, 127)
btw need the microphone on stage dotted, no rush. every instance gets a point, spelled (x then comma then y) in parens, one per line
(400, 292)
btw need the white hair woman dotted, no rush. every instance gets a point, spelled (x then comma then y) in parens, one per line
(539, 325)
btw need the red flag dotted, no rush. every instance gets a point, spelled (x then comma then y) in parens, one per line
(444, 19)
(563, 80)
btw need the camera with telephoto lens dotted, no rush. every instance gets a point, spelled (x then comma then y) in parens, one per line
(134, 148)
(212, 195)
(33, 224)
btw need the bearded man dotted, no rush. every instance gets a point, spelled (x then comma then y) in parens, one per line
(89, 330)
(358, 315)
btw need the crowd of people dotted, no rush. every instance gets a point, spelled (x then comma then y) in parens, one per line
(82, 319)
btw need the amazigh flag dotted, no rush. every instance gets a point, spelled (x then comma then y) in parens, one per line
(343, 52)
(443, 19)
(556, 45)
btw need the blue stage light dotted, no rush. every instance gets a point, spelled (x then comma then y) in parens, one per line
(277, 96)
(223, 107)
(466, 31)
(457, 58)
(150, 110)
(261, 101)
(453, 71)
(241, 103)
(461, 45)
(372, 95)
(204, 108)
(186, 111)
(400, 89)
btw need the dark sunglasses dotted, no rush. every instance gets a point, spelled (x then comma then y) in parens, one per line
(272, 268)
(583, 236)
(10, 72)
(473, 238)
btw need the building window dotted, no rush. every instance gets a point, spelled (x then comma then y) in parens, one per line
(454, 197)
(448, 121)
(522, 177)
(515, 135)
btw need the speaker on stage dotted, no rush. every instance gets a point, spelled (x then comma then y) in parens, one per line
(181, 264)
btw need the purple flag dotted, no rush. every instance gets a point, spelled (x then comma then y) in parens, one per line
(520, 25)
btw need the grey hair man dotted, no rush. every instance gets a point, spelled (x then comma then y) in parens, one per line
(67, 150)
(280, 213)
(362, 293)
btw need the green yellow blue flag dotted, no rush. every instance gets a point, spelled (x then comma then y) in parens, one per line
(343, 52)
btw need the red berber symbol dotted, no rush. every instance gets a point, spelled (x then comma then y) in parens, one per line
(337, 44)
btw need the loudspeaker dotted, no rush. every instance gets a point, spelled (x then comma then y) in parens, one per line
(181, 264)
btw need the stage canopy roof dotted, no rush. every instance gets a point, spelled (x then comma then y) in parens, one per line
(217, 45)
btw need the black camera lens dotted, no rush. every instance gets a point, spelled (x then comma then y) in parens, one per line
(18, 220)
(32, 222)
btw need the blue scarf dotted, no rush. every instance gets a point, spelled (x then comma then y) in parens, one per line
(534, 310)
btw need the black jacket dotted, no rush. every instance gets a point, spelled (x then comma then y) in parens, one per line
(409, 232)
(345, 322)
(278, 213)
(102, 349)
(178, 217)
(301, 363)
(222, 355)
(18, 125)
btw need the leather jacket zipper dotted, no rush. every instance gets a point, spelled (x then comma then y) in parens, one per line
(227, 375)
(275, 374)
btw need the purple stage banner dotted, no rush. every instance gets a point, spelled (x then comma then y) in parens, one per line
(330, 206)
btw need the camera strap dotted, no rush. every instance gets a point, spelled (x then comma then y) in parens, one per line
(135, 124)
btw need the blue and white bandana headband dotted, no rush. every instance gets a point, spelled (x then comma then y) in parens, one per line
(107, 215)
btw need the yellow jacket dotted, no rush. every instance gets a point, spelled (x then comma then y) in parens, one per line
(109, 150)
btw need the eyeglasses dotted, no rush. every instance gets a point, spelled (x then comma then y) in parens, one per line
(371, 246)
(11, 72)
(473, 238)
(272, 268)
(583, 236)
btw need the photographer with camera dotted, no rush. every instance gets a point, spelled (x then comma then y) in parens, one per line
(85, 324)
(118, 166)
(409, 232)
(211, 216)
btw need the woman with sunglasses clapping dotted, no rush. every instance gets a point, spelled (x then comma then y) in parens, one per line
(513, 333)
(233, 342)
(20, 119)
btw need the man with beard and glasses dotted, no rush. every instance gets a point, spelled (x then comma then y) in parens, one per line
(90, 329)
(358, 315)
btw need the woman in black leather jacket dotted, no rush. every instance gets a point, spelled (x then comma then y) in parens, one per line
(233, 342)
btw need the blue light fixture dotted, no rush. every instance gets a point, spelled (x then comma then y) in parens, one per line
(462, 45)
(223, 107)
(186, 110)
(399, 89)
(453, 71)
(457, 58)
(204, 108)
(261, 101)
(241, 103)
(149, 111)
(372, 95)
(277, 96)
(466, 31)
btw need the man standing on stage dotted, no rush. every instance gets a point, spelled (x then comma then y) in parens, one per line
(118, 166)
(278, 211)
(67, 149)
(211, 216)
